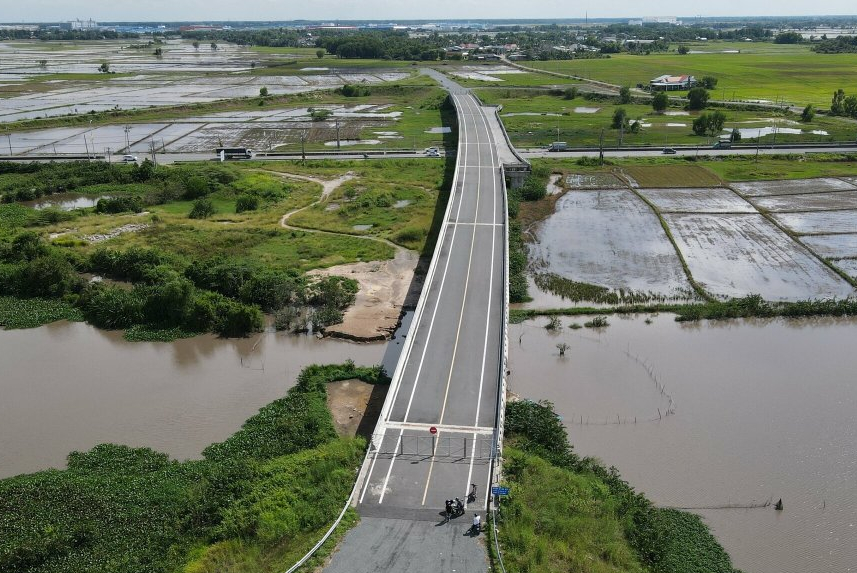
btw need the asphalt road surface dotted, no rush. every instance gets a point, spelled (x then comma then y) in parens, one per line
(450, 374)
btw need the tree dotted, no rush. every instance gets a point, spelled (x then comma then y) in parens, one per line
(104, 68)
(196, 45)
(319, 54)
(620, 118)
(700, 124)
(808, 113)
(850, 106)
(708, 82)
(159, 52)
(683, 50)
(660, 102)
(735, 137)
(246, 203)
(263, 91)
(562, 347)
(716, 122)
(788, 38)
(837, 106)
(43, 64)
(202, 209)
(697, 98)
(214, 46)
(624, 94)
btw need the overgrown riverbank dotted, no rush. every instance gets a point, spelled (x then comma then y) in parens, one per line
(567, 513)
(255, 502)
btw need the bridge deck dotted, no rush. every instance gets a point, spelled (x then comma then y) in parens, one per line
(449, 373)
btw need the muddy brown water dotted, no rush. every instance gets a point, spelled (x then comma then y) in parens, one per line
(69, 386)
(763, 410)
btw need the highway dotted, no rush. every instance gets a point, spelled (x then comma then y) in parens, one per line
(449, 374)
(448, 379)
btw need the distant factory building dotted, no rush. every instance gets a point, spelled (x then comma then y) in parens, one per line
(669, 83)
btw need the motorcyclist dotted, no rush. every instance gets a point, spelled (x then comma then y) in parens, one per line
(459, 507)
(448, 508)
(477, 524)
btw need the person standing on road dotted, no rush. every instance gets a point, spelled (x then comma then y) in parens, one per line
(477, 524)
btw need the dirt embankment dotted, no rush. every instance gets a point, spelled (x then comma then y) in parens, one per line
(355, 406)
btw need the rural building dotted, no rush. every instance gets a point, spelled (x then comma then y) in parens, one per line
(672, 83)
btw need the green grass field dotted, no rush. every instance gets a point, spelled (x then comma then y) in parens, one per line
(793, 74)
(660, 171)
(548, 118)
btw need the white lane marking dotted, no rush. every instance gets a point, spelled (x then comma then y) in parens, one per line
(476, 224)
(449, 428)
(488, 313)
(461, 314)
(434, 312)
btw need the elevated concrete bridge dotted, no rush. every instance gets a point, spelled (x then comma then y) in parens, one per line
(440, 430)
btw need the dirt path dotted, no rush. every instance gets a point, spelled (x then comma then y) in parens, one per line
(385, 286)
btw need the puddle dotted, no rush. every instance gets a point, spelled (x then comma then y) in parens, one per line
(362, 227)
(65, 202)
(439, 130)
(349, 142)
(587, 109)
(402, 204)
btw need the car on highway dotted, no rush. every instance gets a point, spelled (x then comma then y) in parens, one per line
(430, 150)
(129, 158)
(669, 151)
(434, 153)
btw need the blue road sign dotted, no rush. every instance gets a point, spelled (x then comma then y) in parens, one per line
(497, 490)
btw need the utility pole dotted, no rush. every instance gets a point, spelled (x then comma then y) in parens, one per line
(337, 135)
(303, 145)
(758, 139)
(107, 150)
(9, 137)
(774, 144)
(86, 145)
(152, 146)
(127, 140)
(601, 148)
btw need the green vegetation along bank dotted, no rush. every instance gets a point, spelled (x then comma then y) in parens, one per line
(567, 513)
(202, 247)
(255, 502)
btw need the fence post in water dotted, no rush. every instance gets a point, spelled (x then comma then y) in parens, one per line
(659, 414)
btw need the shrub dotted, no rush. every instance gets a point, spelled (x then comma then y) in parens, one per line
(246, 203)
(202, 209)
(114, 205)
(660, 101)
(697, 98)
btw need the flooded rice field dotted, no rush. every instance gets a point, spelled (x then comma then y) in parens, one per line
(257, 130)
(697, 200)
(763, 410)
(731, 239)
(183, 75)
(609, 238)
(176, 398)
(736, 255)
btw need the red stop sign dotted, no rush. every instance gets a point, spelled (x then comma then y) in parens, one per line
(433, 430)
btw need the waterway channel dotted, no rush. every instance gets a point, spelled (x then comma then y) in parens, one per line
(69, 386)
(764, 409)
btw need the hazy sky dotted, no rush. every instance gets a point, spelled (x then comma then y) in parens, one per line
(199, 10)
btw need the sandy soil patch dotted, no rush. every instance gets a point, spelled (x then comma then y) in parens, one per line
(355, 406)
(819, 222)
(698, 200)
(385, 288)
(809, 202)
(795, 187)
(832, 246)
(609, 238)
(737, 255)
(554, 187)
(100, 238)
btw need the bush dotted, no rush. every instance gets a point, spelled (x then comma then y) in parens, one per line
(202, 209)
(113, 205)
(660, 101)
(624, 95)
(196, 187)
(808, 113)
(246, 203)
(620, 118)
(112, 307)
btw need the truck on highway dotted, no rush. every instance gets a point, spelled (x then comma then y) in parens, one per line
(558, 146)
(234, 153)
(723, 144)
